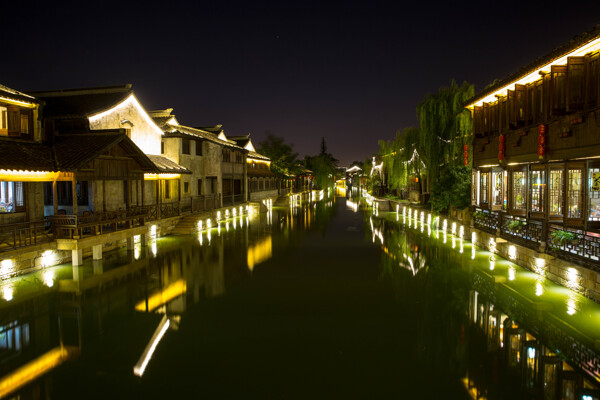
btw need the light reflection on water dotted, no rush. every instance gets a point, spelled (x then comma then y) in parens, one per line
(194, 278)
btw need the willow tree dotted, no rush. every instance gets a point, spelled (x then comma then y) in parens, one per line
(397, 154)
(445, 126)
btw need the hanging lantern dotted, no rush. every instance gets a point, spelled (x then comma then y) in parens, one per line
(541, 141)
(466, 154)
(501, 147)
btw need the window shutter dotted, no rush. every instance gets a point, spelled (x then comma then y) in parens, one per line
(559, 93)
(575, 83)
(520, 99)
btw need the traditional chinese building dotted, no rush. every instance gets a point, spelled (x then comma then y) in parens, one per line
(262, 182)
(60, 188)
(216, 162)
(77, 111)
(536, 150)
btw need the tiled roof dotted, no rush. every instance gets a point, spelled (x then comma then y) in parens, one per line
(573, 44)
(253, 154)
(75, 151)
(16, 95)
(81, 103)
(68, 153)
(186, 130)
(165, 165)
(261, 172)
(161, 122)
(25, 155)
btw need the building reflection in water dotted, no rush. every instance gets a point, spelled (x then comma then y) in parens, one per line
(511, 345)
(259, 252)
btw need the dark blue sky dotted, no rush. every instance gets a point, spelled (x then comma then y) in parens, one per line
(350, 72)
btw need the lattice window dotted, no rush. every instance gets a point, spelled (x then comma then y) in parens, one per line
(474, 188)
(538, 190)
(497, 188)
(519, 190)
(594, 194)
(555, 192)
(575, 193)
(485, 183)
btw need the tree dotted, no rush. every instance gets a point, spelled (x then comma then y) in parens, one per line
(453, 188)
(283, 159)
(323, 166)
(445, 126)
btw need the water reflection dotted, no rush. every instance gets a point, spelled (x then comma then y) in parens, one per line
(517, 346)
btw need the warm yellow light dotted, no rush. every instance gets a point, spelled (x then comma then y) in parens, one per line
(260, 252)
(167, 294)
(7, 293)
(257, 161)
(589, 47)
(48, 258)
(512, 252)
(153, 177)
(131, 100)
(141, 365)
(7, 267)
(48, 278)
(17, 102)
(34, 176)
(35, 368)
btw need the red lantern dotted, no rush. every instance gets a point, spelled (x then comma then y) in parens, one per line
(541, 141)
(466, 154)
(501, 140)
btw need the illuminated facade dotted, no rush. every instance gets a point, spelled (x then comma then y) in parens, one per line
(536, 149)
(19, 179)
(217, 164)
(262, 183)
(76, 111)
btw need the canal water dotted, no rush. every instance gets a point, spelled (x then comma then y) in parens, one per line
(319, 299)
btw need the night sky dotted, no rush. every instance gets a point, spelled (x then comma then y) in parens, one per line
(350, 72)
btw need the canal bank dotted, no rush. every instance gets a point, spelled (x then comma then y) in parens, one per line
(326, 299)
(525, 336)
(564, 272)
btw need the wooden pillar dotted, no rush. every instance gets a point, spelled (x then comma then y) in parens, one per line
(137, 192)
(104, 196)
(74, 185)
(179, 190)
(158, 199)
(55, 197)
(93, 189)
(143, 190)
(128, 199)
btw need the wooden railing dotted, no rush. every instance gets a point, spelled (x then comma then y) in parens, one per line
(576, 245)
(201, 203)
(92, 224)
(301, 189)
(14, 236)
(486, 221)
(528, 232)
(229, 199)
(567, 243)
(283, 191)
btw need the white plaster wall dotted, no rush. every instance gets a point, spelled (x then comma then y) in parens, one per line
(144, 133)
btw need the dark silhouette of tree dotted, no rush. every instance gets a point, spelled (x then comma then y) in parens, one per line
(283, 158)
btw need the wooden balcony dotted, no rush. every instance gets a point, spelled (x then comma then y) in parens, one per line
(93, 224)
(15, 236)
